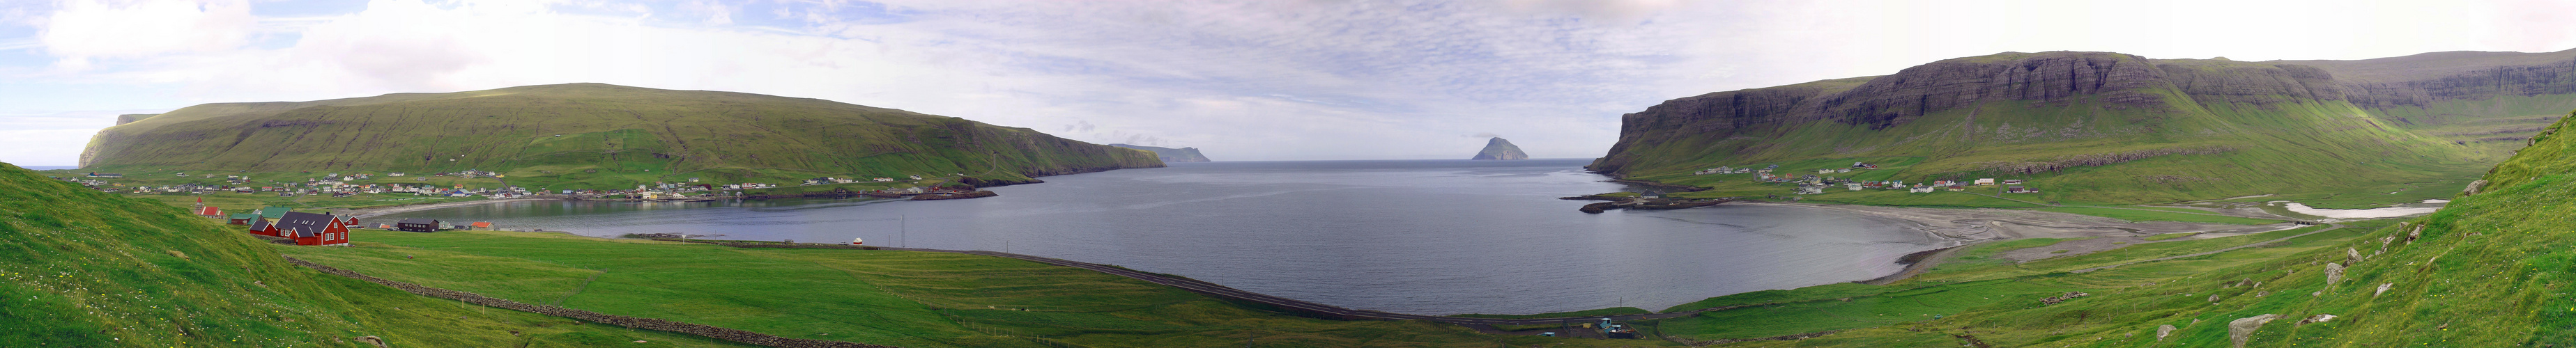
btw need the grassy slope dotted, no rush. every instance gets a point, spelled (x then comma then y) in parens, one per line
(2291, 146)
(2490, 270)
(918, 299)
(87, 269)
(593, 136)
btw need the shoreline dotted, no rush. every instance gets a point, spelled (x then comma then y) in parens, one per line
(1964, 227)
(369, 212)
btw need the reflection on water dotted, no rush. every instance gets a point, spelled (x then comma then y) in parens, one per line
(1423, 237)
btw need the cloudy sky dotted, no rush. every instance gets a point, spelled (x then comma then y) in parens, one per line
(1248, 80)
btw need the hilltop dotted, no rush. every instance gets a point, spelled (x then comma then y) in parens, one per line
(2103, 127)
(1170, 155)
(91, 269)
(589, 135)
(1499, 149)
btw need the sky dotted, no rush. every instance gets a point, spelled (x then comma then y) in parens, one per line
(1240, 80)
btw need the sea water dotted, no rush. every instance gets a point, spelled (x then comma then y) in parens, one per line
(1429, 237)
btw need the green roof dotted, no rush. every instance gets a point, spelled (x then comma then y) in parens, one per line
(273, 212)
(243, 216)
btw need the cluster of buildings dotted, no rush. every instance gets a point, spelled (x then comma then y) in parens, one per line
(1818, 183)
(301, 227)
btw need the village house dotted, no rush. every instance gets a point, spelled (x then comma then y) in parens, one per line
(1853, 186)
(1810, 189)
(210, 211)
(312, 229)
(1919, 188)
(417, 225)
(1985, 181)
(2012, 182)
(105, 175)
(2019, 189)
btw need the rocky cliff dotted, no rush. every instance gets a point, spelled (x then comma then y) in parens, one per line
(1170, 155)
(2025, 107)
(1499, 149)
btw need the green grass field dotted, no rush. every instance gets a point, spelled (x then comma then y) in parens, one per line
(913, 299)
(89, 269)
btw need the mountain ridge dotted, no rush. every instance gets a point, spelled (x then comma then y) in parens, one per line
(594, 135)
(1964, 116)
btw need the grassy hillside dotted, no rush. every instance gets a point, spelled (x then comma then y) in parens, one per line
(88, 269)
(592, 136)
(905, 298)
(2122, 130)
(2489, 270)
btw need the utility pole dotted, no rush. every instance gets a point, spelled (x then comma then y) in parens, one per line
(903, 226)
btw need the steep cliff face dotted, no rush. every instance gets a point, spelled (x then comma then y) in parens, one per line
(578, 131)
(1499, 149)
(1965, 116)
(1170, 155)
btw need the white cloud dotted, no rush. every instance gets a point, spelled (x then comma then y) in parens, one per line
(82, 30)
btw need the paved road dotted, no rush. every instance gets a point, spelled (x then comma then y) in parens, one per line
(1213, 289)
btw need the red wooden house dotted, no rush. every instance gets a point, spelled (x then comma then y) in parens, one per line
(305, 228)
(210, 211)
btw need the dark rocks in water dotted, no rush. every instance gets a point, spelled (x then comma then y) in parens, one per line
(1597, 208)
(1170, 155)
(1499, 149)
(940, 196)
(1651, 204)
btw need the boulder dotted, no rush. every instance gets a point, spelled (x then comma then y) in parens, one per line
(2383, 288)
(2213, 298)
(2240, 329)
(2474, 188)
(2334, 273)
(2352, 256)
(379, 342)
(2320, 318)
(2163, 330)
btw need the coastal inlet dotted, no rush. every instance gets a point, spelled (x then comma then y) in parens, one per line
(1421, 237)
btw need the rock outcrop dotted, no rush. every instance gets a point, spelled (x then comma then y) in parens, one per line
(1499, 149)
(2240, 329)
(2334, 273)
(2163, 330)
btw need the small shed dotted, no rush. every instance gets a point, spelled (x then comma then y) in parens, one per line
(482, 225)
(417, 225)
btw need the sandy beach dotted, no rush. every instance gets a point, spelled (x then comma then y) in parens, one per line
(1970, 226)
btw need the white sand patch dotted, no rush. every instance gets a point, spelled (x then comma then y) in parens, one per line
(2373, 213)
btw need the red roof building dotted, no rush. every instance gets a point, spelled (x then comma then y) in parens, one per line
(210, 211)
(305, 228)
